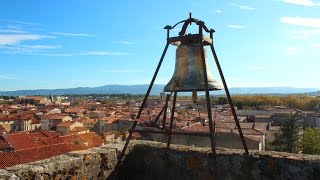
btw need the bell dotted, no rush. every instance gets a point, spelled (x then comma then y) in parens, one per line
(188, 73)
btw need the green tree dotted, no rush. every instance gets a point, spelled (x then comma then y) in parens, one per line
(222, 100)
(289, 137)
(310, 141)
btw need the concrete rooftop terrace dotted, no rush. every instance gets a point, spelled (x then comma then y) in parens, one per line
(152, 160)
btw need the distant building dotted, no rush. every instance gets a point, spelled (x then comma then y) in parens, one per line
(17, 122)
(36, 100)
(71, 127)
(52, 120)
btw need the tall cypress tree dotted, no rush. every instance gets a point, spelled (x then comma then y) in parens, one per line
(290, 135)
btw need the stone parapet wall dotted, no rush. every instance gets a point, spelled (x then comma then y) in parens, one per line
(186, 163)
(95, 163)
(151, 160)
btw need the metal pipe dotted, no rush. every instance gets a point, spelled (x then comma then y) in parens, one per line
(126, 144)
(211, 124)
(228, 96)
(158, 117)
(142, 105)
(171, 118)
(165, 111)
(152, 81)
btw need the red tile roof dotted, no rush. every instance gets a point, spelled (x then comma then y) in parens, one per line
(37, 135)
(197, 127)
(79, 129)
(92, 139)
(3, 143)
(248, 131)
(49, 133)
(8, 118)
(49, 147)
(35, 121)
(54, 116)
(20, 140)
(87, 120)
(8, 159)
(65, 124)
(110, 119)
(74, 109)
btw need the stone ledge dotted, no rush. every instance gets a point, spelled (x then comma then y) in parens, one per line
(96, 163)
(151, 160)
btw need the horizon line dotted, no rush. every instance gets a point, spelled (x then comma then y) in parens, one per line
(153, 85)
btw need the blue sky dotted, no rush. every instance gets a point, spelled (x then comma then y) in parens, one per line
(80, 43)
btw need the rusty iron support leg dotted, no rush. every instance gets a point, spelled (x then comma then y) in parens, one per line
(152, 81)
(158, 116)
(228, 96)
(126, 144)
(142, 106)
(211, 123)
(165, 111)
(162, 110)
(171, 118)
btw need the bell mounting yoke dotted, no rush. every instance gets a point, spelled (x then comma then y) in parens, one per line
(184, 38)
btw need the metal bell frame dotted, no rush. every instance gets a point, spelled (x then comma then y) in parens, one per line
(202, 41)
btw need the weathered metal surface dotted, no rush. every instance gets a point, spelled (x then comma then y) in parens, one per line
(172, 118)
(188, 74)
(189, 39)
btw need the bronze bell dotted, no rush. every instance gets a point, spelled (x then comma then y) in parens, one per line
(188, 73)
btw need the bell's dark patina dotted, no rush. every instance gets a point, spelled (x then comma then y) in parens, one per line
(188, 73)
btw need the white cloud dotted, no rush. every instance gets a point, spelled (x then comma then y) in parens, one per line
(19, 50)
(218, 11)
(27, 49)
(12, 31)
(10, 39)
(243, 7)
(123, 42)
(309, 3)
(236, 26)
(41, 47)
(71, 34)
(299, 21)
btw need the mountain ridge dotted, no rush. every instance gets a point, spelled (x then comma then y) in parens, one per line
(157, 88)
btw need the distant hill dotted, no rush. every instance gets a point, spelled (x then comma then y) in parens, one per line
(157, 88)
(316, 93)
(271, 90)
(107, 89)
